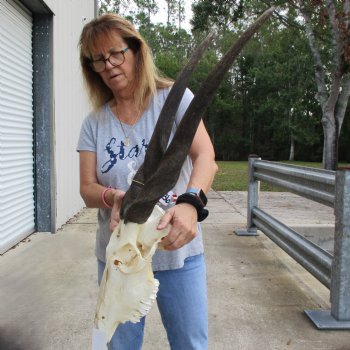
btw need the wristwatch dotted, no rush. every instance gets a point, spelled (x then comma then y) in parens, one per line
(198, 199)
(199, 193)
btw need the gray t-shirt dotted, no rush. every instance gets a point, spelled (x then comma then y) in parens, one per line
(102, 133)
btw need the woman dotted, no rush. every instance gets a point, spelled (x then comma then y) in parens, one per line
(127, 95)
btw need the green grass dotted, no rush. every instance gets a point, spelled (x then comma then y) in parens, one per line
(233, 176)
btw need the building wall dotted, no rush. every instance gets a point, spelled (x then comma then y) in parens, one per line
(70, 101)
(41, 114)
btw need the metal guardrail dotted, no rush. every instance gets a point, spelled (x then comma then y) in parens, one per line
(323, 186)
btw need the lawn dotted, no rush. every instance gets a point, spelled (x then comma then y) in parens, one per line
(232, 176)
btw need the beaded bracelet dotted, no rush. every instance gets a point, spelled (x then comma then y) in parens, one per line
(103, 197)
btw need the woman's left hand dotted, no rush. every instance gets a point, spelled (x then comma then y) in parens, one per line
(183, 220)
(115, 214)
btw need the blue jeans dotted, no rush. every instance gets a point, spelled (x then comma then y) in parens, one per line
(182, 303)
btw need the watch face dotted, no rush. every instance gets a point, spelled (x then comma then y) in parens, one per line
(194, 190)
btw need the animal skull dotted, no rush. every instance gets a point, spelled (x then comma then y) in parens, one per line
(128, 287)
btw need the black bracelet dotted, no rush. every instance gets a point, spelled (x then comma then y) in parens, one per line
(194, 200)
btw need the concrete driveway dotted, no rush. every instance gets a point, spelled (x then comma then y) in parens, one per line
(257, 294)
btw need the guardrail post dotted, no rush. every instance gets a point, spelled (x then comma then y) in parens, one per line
(253, 198)
(339, 315)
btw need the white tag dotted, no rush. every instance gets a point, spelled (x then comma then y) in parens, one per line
(168, 199)
(99, 341)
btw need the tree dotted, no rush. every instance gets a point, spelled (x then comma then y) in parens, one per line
(269, 99)
(279, 114)
(221, 13)
(333, 77)
(146, 8)
(110, 6)
(171, 11)
(326, 24)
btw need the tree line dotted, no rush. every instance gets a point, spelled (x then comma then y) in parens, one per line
(286, 96)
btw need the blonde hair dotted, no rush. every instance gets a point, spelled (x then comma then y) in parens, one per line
(148, 79)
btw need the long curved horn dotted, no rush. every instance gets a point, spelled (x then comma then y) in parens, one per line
(161, 133)
(165, 177)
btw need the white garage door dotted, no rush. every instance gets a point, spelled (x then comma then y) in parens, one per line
(16, 125)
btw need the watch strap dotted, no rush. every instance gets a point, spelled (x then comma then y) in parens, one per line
(198, 192)
(197, 202)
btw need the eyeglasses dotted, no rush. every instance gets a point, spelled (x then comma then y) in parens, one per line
(115, 59)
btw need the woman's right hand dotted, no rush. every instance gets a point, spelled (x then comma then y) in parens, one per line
(117, 203)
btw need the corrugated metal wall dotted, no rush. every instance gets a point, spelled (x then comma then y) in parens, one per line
(16, 125)
(61, 116)
(70, 102)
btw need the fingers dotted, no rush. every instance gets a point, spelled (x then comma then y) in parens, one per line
(165, 220)
(112, 225)
(115, 214)
(115, 218)
(183, 219)
(177, 239)
(118, 197)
